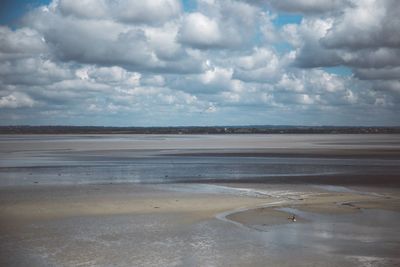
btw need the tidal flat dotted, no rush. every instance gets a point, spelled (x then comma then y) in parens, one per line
(199, 200)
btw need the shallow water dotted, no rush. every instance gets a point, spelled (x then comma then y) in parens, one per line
(66, 159)
(368, 238)
(369, 235)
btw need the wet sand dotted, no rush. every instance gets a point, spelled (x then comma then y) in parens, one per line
(197, 225)
(200, 200)
(290, 159)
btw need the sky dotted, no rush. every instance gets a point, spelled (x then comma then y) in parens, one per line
(200, 62)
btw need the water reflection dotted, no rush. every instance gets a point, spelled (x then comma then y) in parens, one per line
(142, 159)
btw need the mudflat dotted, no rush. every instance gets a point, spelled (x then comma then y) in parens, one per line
(198, 225)
(200, 200)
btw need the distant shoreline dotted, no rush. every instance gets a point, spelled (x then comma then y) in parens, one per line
(199, 130)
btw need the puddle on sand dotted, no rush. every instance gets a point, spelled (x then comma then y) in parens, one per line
(369, 233)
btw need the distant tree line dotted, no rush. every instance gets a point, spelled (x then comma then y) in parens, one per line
(198, 130)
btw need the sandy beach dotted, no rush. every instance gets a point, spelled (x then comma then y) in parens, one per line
(196, 225)
(347, 210)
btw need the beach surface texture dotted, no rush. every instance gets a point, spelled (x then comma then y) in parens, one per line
(200, 200)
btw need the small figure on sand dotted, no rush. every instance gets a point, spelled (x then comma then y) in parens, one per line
(292, 218)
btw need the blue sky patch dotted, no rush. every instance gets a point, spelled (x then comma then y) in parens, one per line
(12, 10)
(284, 18)
(339, 70)
(189, 5)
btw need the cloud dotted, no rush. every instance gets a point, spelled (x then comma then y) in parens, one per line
(378, 73)
(82, 8)
(120, 62)
(220, 24)
(113, 76)
(306, 39)
(33, 71)
(200, 31)
(16, 100)
(108, 42)
(151, 12)
(263, 65)
(366, 24)
(148, 12)
(21, 43)
(364, 37)
(211, 81)
(306, 6)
